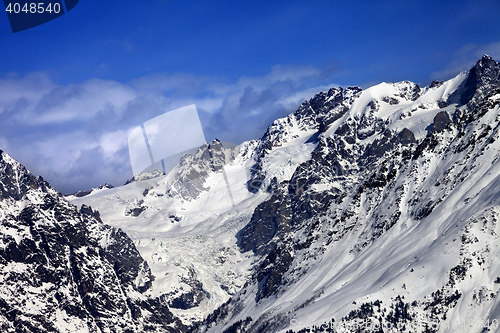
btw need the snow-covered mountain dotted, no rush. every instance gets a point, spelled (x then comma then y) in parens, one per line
(185, 224)
(390, 225)
(364, 211)
(63, 270)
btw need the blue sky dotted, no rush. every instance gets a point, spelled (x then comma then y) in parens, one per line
(72, 89)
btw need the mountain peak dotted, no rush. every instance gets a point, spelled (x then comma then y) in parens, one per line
(483, 76)
(16, 181)
(485, 62)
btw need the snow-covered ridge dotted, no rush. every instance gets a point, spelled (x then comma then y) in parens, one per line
(80, 194)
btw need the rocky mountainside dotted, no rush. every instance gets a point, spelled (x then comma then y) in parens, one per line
(63, 270)
(364, 211)
(392, 225)
(184, 224)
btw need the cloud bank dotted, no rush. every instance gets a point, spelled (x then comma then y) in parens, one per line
(466, 57)
(75, 135)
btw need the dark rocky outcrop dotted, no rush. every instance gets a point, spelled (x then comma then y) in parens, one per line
(485, 75)
(406, 137)
(269, 218)
(441, 121)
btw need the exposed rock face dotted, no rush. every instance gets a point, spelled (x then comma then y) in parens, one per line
(406, 137)
(484, 76)
(63, 270)
(316, 115)
(135, 211)
(268, 220)
(189, 182)
(441, 120)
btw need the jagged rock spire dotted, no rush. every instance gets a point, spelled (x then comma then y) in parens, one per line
(484, 75)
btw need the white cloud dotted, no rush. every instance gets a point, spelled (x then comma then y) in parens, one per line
(466, 57)
(305, 94)
(59, 152)
(23, 93)
(280, 73)
(4, 144)
(76, 135)
(112, 142)
(79, 102)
